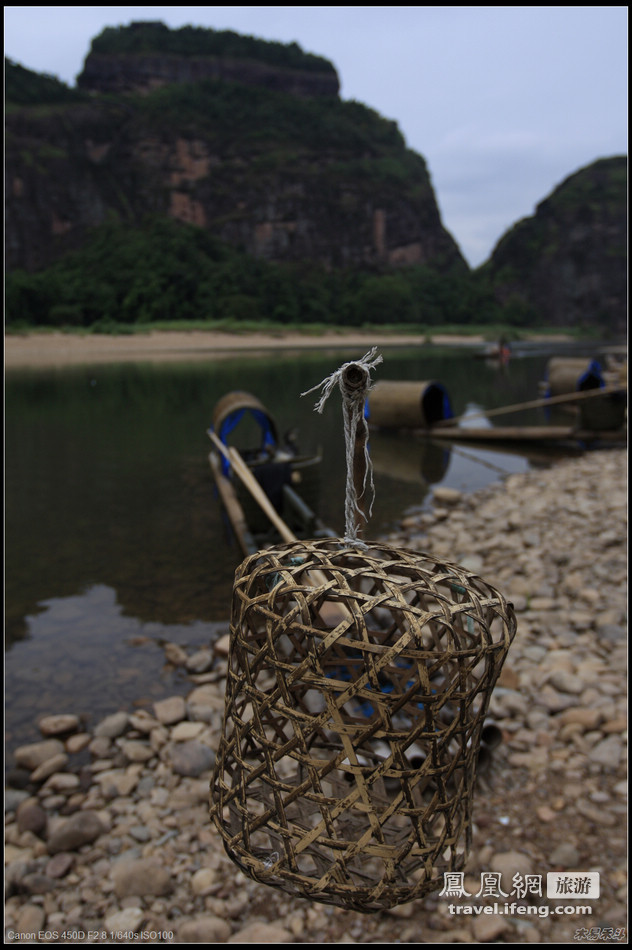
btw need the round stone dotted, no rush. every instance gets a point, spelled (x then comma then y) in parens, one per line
(58, 725)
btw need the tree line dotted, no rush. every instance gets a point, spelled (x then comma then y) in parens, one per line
(166, 271)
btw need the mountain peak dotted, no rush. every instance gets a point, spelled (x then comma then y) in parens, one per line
(143, 56)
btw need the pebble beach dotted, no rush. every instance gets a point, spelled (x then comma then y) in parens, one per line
(107, 833)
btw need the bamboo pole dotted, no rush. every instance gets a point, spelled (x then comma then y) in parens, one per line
(233, 508)
(245, 475)
(331, 612)
(536, 404)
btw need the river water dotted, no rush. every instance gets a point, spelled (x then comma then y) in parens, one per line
(114, 541)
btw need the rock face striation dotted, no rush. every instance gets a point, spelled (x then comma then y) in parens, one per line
(69, 170)
(123, 73)
(146, 55)
(567, 264)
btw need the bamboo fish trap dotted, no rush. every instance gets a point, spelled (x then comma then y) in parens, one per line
(359, 678)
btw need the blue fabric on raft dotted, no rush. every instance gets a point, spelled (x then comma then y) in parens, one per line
(592, 378)
(234, 418)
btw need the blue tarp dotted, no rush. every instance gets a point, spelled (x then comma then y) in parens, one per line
(233, 419)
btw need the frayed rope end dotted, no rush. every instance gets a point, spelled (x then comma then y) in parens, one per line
(354, 392)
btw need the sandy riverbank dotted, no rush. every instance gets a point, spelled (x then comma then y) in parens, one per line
(63, 349)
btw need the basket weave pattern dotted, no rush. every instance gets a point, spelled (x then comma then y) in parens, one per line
(358, 683)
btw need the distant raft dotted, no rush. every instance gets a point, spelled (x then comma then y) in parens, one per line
(581, 375)
(569, 374)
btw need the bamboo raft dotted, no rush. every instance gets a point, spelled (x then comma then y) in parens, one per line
(567, 374)
(270, 492)
(601, 416)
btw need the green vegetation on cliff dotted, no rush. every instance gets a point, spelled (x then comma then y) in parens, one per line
(22, 87)
(156, 37)
(239, 117)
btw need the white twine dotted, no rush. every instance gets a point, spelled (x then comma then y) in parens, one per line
(353, 401)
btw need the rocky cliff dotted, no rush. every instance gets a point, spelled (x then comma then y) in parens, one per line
(567, 264)
(263, 155)
(250, 142)
(69, 168)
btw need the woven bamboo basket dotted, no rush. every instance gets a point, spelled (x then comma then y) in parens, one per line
(358, 682)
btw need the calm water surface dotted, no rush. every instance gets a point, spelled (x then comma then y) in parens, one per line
(114, 541)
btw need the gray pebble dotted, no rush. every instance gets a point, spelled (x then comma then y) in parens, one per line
(81, 828)
(112, 726)
(191, 758)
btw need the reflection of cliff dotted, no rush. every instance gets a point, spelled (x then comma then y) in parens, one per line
(160, 568)
(85, 655)
(128, 504)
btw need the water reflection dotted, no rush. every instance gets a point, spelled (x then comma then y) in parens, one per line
(409, 459)
(83, 654)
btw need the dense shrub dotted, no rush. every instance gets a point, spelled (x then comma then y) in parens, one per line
(166, 271)
(255, 118)
(24, 87)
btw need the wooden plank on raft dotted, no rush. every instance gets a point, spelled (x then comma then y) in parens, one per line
(243, 472)
(233, 508)
(524, 434)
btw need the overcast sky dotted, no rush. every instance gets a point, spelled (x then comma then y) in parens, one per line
(503, 102)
